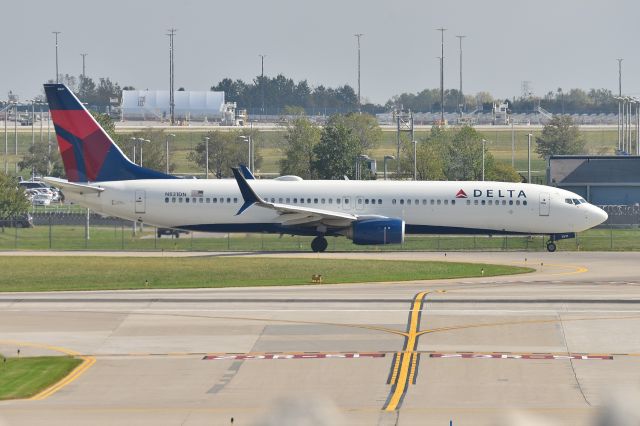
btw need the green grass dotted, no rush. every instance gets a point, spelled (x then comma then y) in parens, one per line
(25, 377)
(100, 273)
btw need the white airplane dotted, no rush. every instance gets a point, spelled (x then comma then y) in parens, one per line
(102, 178)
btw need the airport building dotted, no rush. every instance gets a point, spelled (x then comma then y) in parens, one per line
(612, 182)
(189, 105)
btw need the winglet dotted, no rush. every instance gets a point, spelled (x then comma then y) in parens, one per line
(250, 197)
(246, 172)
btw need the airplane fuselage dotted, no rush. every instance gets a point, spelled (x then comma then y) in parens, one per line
(429, 207)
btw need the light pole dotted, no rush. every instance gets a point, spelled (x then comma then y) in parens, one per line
(387, 157)
(84, 55)
(262, 56)
(460, 97)
(359, 159)
(167, 151)
(141, 143)
(483, 157)
(359, 103)
(513, 145)
(56, 34)
(442, 30)
(6, 140)
(133, 143)
(15, 130)
(206, 157)
(529, 157)
(172, 104)
(248, 140)
(415, 159)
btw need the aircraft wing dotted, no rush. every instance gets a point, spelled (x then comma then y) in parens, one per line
(292, 215)
(77, 188)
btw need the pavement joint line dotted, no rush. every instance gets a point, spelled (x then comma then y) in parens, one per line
(87, 362)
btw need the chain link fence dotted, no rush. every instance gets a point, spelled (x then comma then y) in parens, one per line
(74, 230)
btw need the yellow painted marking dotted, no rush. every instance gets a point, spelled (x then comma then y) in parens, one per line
(414, 365)
(407, 355)
(87, 362)
(396, 367)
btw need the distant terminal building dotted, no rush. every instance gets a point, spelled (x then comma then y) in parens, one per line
(602, 180)
(189, 105)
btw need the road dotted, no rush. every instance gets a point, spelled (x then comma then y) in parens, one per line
(553, 345)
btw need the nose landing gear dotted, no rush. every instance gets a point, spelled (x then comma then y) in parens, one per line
(319, 244)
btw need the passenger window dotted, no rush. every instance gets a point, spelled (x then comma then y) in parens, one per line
(510, 202)
(446, 202)
(201, 200)
(483, 202)
(346, 201)
(280, 200)
(208, 200)
(366, 201)
(475, 202)
(315, 201)
(517, 202)
(173, 199)
(180, 199)
(424, 202)
(330, 200)
(417, 202)
(166, 199)
(221, 200)
(433, 202)
(490, 202)
(338, 200)
(408, 202)
(186, 200)
(295, 200)
(301, 200)
(288, 200)
(308, 200)
(439, 202)
(322, 201)
(453, 202)
(359, 200)
(215, 199)
(504, 202)
(401, 201)
(379, 200)
(524, 203)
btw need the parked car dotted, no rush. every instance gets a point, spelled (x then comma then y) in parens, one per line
(171, 231)
(41, 200)
(23, 221)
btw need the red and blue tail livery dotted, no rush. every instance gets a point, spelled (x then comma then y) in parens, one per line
(88, 153)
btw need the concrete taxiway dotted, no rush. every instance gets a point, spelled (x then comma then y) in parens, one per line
(554, 344)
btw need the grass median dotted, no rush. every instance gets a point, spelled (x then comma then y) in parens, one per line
(26, 377)
(104, 273)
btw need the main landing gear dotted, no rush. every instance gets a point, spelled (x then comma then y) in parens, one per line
(551, 245)
(319, 244)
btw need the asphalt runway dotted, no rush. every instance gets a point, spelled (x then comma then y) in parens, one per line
(551, 347)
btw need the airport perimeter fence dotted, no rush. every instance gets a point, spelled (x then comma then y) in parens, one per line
(72, 231)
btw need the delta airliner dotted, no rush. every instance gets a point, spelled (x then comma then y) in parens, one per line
(102, 178)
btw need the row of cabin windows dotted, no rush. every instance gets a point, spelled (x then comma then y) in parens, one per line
(200, 200)
(344, 201)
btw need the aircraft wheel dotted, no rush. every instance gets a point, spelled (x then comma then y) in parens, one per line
(551, 247)
(319, 244)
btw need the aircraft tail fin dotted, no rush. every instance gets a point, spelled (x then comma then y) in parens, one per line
(88, 153)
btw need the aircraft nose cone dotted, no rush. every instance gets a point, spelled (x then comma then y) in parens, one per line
(597, 215)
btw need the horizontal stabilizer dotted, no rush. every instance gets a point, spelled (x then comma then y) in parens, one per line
(76, 188)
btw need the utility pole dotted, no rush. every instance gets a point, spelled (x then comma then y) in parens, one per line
(172, 104)
(84, 55)
(620, 119)
(262, 56)
(460, 97)
(359, 103)
(529, 157)
(206, 158)
(442, 30)
(56, 33)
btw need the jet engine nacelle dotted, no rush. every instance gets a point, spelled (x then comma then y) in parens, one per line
(377, 231)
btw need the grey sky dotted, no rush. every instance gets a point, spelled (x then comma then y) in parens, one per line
(559, 43)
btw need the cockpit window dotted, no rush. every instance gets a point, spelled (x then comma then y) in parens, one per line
(568, 200)
(576, 201)
(582, 200)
